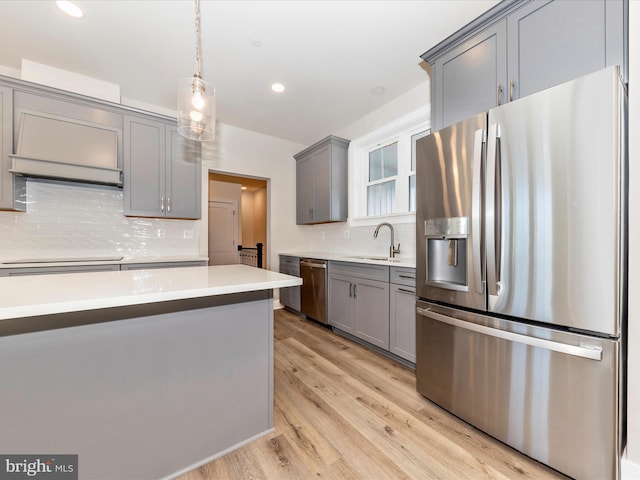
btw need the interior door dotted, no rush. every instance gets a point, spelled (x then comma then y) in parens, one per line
(223, 232)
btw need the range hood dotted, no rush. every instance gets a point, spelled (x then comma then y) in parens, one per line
(51, 146)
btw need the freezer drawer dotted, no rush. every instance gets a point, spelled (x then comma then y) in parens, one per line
(552, 395)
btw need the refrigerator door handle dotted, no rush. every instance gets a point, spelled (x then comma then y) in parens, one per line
(476, 210)
(493, 211)
(591, 352)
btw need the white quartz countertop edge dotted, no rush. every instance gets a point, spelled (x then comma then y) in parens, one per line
(30, 296)
(354, 258)
(85, 260)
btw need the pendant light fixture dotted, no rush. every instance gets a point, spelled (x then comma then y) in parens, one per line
(196, 99)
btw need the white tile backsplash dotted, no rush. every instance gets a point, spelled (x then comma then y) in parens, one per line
(341, 238)
(65, 219)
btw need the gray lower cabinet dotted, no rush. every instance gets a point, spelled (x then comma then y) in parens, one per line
(518, 48)
(162, 170)
(10, 185)
(290, 297)
(359, 301)
(23, 271)
(321, 182)
(402, 313)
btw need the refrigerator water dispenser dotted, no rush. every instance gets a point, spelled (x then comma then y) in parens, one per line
(446, 252)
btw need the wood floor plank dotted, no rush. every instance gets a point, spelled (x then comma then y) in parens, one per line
(366, 459)
(313, 447)
(279, 460)
(407, 441)
(345, 412)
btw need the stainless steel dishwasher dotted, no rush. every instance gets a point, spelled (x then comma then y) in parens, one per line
(313, 292)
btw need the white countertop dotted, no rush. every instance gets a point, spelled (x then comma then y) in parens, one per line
(355, 258)
(97, 260)
(71, 292)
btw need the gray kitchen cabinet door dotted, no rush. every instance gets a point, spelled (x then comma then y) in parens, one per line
(305, 189)
(470, 78)
(144, 167)
(341, 303)
(290, 296)
(402, 321)
(551, 42)
(321, 182)
(372, 312)
(12, 187)
(183, 176)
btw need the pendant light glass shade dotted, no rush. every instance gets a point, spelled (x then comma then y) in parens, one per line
(196, 109)
(196, 99)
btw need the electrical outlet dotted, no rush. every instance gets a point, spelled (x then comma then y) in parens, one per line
(188, 234)
(161, 233)
(346, 234)
(323, 235)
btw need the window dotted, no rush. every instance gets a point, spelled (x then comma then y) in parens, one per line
(412, 173)
(381, 188)
(382, 171)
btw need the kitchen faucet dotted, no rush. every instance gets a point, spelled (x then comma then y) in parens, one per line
(392, 249)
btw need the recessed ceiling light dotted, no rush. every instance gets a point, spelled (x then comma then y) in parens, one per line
(70, 8)
(379, 90)
(277, 87)
(256, 41)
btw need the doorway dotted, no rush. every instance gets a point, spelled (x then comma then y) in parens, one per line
(250, 225)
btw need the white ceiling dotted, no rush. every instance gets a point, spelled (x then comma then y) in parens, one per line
(329, 54)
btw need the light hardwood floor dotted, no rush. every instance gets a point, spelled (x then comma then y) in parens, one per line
(345, 412)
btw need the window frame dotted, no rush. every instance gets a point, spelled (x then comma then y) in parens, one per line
(402, 131)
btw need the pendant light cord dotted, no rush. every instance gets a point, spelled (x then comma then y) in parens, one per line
(198, 64)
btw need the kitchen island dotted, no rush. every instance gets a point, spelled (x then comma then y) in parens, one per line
(142, 374)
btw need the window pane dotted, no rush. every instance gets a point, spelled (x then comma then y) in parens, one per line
(390, 160)
(413, 147)
(383, 162)
(381, 198)
(412, 193)
(375, 165)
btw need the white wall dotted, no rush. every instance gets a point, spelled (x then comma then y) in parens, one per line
(350, 237)
(246, 153)
(633, 375)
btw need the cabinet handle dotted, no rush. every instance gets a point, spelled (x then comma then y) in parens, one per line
(168, 204)
(499, 94)
(162, 204)
(512, 85)
(412, 292)
(350, 289)
(412, 277)
(355, 291)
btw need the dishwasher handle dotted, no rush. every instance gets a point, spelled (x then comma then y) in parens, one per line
(306, 263)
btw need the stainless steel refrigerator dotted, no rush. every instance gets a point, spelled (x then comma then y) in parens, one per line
(521, 273)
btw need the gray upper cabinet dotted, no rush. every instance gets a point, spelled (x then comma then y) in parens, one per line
(162, 170)
(471, 77)
(518, 48)
(551, 42)
(11, 187)
(321, 182)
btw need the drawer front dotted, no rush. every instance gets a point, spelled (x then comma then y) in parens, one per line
(403, 276)
(290, 265)
(361, 270)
